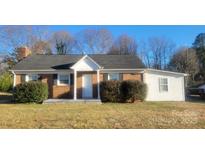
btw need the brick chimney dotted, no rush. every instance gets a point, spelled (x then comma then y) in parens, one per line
(23, 52)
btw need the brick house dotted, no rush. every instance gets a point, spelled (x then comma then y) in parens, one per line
(79, 76)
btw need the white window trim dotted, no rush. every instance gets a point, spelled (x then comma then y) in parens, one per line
(113, 73)
(58, 79)
(163, 84)
(27, 77)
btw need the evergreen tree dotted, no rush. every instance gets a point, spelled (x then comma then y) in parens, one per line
(199, 46)
(61, 48)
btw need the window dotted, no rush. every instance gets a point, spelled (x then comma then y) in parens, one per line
(32, 77)
(163, 84)
(113, 76)
(63, 79)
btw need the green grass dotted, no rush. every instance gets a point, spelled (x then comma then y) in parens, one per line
(141, 115)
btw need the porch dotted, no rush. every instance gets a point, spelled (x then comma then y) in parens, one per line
(86, 79)
(86, 101)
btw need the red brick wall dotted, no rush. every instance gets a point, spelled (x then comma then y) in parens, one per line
(18, 79)
(56, 91)
(79, 84)
(62, 92)
(132, 76)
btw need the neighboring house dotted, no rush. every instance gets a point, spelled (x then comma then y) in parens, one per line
(79, 76)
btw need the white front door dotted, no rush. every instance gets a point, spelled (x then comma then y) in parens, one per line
(87, 86)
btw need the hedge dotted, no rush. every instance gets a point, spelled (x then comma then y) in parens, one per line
(109, 91)
(123, 91)
(31, 92)
(132, 91)
(6, 82)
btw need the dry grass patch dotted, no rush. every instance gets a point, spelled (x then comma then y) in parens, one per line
(141, 115)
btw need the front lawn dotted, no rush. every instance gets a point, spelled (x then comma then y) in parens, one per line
(141, 115)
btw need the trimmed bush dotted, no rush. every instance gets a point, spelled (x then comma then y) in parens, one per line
(31, 92)
(6, 82)
(131, 91)
(123, 91)
(109, 91)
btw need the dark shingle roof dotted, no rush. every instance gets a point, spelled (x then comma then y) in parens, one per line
(47, 62)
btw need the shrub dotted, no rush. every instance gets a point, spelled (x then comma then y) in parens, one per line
(6, 82)
(31, 92)
(131, 91)
(109, 91)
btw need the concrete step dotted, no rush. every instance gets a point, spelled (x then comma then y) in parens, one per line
(88, 101)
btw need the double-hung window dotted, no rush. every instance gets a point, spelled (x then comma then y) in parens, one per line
(63, 79)
(32, 77)
(163, 84)
(113, 76)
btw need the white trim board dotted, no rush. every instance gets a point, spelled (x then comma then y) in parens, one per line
(86, 64)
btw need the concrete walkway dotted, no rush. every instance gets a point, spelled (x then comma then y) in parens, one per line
(56, 101)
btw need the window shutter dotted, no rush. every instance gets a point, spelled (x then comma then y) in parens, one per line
(55, 76)
(121, 76)
(71, 79)
(23, 78)
(40, 77)
(105, 77)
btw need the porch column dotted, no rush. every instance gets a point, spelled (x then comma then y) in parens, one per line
(14, 77)
(75, 85)
(98, 81)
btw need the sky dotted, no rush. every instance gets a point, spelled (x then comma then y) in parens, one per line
(180, 35)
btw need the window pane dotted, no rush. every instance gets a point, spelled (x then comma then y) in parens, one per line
(163, 88)
(64, 79)
(114, 76)
(163, 81)
(33, 77)
(163, 84)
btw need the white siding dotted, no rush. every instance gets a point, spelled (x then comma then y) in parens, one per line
(175, 87)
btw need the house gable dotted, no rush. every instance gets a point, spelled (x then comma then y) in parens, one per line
(86, 64)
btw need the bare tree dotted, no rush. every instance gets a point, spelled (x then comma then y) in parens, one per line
(124, 45)
(15, 36)
(144, 53)
(160, 51)
(63, 42)
(104, 40)
(94, 41)
(41, 47)
(12, 37)
(185, 60)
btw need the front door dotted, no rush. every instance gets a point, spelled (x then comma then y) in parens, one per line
(87, 86)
